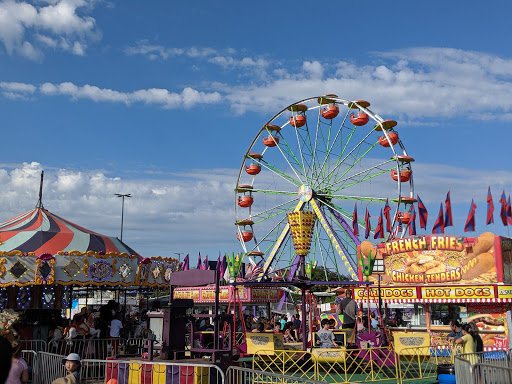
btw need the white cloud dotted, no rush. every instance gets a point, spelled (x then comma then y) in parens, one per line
(414, 84)
(187, 98)
(26, 29)
(18, 87)
(193, 211)
(154, 223)
(314, 69)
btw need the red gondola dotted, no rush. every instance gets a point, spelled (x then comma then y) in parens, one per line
(246, 236)
(271, 141)
(404, 217)
(330, 112)
(297, 121)
(245, 201)
(405, 175)
(361, 119)
(393, 137)
(253, 169)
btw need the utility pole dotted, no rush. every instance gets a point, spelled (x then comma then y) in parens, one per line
(122, 209)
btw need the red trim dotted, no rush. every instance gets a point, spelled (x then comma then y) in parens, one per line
(499, 259)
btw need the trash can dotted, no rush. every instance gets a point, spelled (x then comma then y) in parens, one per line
(446, 374)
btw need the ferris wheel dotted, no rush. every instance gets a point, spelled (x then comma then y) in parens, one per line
(328, 155)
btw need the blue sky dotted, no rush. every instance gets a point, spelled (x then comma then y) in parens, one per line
(161, 99)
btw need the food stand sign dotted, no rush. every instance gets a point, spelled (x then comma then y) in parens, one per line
(458, 292)
(405, 294)
(426, 260)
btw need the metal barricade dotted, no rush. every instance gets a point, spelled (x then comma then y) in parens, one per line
(492, 374)
(48, 368)
(34, 345)
(134, 371)
(31, 359)
(286, 362)
(463, 371)
(86, 348)
(497, 358)
(416, 363)
(356, 365)
(238, 375)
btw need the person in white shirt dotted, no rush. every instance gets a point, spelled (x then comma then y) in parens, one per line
(116, 326)
(115, 330)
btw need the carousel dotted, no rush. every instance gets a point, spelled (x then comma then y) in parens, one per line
(46, 260)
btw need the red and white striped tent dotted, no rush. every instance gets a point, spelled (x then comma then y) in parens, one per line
(41, 248)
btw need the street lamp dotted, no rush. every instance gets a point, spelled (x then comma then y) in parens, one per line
(122, 209)
(379, 269)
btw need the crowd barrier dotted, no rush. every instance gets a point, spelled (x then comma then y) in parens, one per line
(130, 371)
(238, 375)
(96, 348)
(342, 365)
(332, 365)
(493, 367)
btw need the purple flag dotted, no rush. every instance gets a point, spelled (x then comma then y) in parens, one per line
(355, 225)
(423, 214)
(448, 221)
(439, 224)
(490, 207)
(412, 222)
(503, 210)
(470, 222)
(185, 263)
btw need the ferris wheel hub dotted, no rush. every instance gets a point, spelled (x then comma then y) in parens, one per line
(305, 193)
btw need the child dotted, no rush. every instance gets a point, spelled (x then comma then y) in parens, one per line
(72, 365)
(325, 336)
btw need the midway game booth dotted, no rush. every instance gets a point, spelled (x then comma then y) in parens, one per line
(429, 280)
(46, 261)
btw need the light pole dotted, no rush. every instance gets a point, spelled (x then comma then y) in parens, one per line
(179, 255)
(122, 209)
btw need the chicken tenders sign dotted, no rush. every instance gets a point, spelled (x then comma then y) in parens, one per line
(438, 259)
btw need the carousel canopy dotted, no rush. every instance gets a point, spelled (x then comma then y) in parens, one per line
(40, 231)
(40, 248)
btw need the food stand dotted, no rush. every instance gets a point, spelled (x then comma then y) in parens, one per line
(430, 280)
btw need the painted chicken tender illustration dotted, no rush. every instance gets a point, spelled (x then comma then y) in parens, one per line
(426, 263)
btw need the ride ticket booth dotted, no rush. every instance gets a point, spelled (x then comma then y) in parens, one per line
(430, 280)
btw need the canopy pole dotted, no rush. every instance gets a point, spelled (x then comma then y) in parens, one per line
(40, 201)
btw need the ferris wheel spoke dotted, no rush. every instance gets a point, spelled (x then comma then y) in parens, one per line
(354, 198)
(318, 171)
(349, 167)
(361, 176)
(280, 173)
(340, 248)
(335, 139)
(272, 212)
(278, 244)
(291, 155)
(316, 247)
(341, 160)
(274, 192)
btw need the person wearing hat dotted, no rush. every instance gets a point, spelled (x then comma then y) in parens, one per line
(72, 365)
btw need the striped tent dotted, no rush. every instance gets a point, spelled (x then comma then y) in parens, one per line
(40, 231)
(39, 248)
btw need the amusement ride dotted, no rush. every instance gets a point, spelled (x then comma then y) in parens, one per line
(326, 155)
